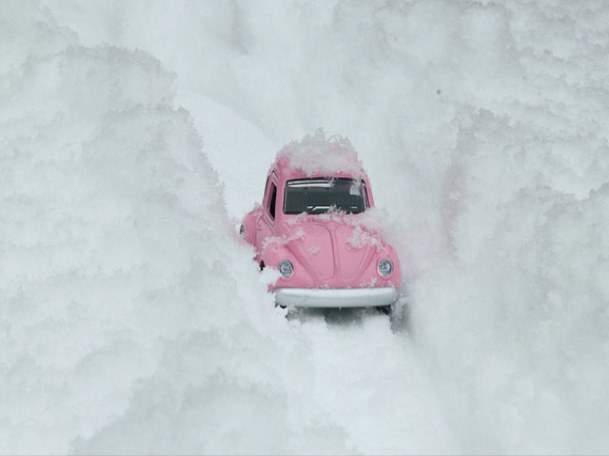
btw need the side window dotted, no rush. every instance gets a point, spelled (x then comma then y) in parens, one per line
(266, 186)
(273, 200)
(365, 195)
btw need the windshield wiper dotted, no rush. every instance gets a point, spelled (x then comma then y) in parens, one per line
(317, 209)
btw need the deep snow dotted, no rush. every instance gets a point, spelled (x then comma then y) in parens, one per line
(134, 134)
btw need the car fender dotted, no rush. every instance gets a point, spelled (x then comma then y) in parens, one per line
(248, 225)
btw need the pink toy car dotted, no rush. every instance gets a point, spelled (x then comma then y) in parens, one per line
(317, 227)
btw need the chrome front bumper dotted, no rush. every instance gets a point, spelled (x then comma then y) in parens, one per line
(336, 297)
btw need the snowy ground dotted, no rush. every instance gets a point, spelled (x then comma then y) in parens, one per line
(134, 134)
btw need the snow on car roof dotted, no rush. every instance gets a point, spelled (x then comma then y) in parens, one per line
(317, 155)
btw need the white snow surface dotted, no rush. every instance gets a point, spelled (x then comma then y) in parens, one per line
(318, 155)
(134, 135)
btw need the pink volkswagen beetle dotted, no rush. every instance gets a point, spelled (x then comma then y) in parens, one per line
(316, 225)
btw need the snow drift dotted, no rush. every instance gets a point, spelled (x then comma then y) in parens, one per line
(124, 323)
(482, 126)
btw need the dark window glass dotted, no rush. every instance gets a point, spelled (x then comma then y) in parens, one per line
(273, 200)
(318, 196)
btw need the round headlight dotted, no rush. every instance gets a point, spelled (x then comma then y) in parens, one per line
(385, 267)
(286, 268)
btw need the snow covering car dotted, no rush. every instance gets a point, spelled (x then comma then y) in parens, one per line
(317, 227)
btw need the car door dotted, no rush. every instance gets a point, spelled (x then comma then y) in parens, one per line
(266, 223)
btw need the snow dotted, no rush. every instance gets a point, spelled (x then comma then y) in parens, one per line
(360, 238)
(133, 136)
(317, 155)
(277, 241)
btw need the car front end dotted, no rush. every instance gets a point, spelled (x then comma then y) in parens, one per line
(330, 262)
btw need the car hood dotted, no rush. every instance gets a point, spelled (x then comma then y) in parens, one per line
(331, 252)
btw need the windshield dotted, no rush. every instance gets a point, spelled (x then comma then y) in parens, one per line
(318, 196)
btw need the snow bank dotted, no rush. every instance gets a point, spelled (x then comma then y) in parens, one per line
(513, 317)
(132, 319)
(483, 129)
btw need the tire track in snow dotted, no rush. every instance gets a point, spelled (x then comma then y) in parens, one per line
(372, 384)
